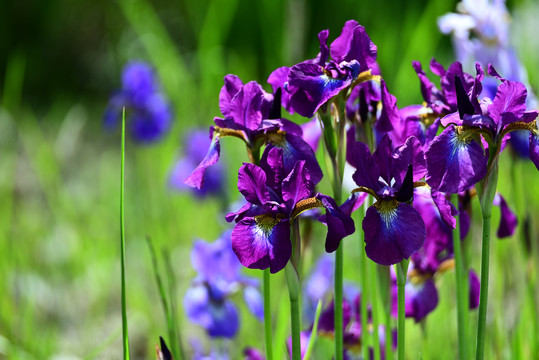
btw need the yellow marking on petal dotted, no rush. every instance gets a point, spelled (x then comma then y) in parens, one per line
(420, 184)
(277, 138)
(416, 277)
(305, 205)
(266, 223)
(366, 76)
(387, 210)
(520, 125)
(366, 190)
(230, 132)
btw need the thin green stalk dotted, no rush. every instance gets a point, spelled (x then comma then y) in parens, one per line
(125, 335)
(267, 315)
(374, 304)
(176, 339)
(364, 284)
(292, 280)
(338, 303)
(461, 288)
(401, 283)
(483, 295)
(312, 337)
(162, 294)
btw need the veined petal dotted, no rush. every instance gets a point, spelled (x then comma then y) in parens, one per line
(454, 164)
(390, 113)
(393, 232)
(232, 86)
(297, 185)
(367, 173)
(252, 184)
(313, 87)
(509, 104)
(354, 44)
(196, 179)
(262, 241)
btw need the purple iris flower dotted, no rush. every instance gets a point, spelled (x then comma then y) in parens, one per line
(455, 158)
(481, 32)
(148, 112)
(313, 82)
(254, 116)
(394, 230)
(207, 302)
(261, 237)
(250, 353)
(422, 121)
(196, 142)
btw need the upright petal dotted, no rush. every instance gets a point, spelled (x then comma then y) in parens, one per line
(393, 232)
(252, 184)
(509, 104)
(339, 224)
(354, 44)
(367, 173)
(232, 86)
(296, 186)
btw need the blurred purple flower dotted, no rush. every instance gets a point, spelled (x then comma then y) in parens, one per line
(207, 302)
(148, 113)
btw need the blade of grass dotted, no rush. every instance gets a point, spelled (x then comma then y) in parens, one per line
(162, 295)
(176, 341)
(125, 335)
(312, 337)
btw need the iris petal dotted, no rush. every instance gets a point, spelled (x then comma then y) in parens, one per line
(393, 232)
(262, 241)
(454, 164)
(196, 179)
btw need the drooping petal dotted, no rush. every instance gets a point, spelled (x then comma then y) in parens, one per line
(196, 179)
(262, 241)
(421, 299)
(339, 224)
(393, 232)
(313, 87)
(508, 219)
(252, 184)
(453, 164)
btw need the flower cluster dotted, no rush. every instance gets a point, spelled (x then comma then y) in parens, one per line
(147, 109)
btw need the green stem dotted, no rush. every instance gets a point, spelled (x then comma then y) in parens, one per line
(293, 289)
(364, 284)
(401, 283)
(338, 303)
(125, 335)
(267, 315)
(461, 288)
(483, 295)
(374, 303)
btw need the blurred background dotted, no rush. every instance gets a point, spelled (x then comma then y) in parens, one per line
(60, 61)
